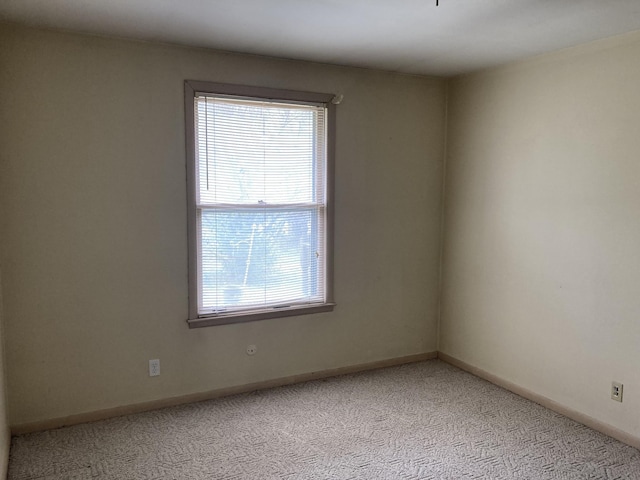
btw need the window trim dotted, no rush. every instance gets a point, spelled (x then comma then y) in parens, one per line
(191, 89)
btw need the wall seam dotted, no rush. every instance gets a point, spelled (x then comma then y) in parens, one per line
(442, 210)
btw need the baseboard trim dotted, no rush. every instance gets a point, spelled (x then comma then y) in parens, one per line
(211, 394)
(4, 464)
(579, 417)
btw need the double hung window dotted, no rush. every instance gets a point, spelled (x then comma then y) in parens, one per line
(260, 206)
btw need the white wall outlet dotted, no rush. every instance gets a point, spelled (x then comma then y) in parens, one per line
(154, 367)
(616, 391)
(252, 350)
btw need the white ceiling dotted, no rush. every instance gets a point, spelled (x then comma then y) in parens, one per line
(411, 36)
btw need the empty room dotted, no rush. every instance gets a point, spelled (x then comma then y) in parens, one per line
(319, 239)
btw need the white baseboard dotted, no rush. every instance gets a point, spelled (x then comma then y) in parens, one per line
(579, 417)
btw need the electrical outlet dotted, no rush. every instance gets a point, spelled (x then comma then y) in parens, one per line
(154, 368)
(252, 350)
(616, 391)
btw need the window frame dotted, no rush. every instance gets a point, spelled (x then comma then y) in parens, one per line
(191, 89)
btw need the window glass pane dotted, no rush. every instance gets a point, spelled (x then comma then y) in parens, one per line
(259, 257)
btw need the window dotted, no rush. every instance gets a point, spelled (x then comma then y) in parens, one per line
(260, 207)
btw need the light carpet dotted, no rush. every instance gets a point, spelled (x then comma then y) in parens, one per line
(427, 420)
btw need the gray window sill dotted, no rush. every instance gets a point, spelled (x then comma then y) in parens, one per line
(241, 317)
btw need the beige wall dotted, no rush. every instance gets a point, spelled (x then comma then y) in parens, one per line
(542, 227)
(92, 199)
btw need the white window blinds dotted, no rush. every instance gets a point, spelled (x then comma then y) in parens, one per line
(260, 204)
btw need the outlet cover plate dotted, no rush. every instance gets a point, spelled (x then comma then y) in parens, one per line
(616, 391)
(154, 367)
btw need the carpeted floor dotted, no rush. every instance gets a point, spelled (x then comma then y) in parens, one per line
(421, 421)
